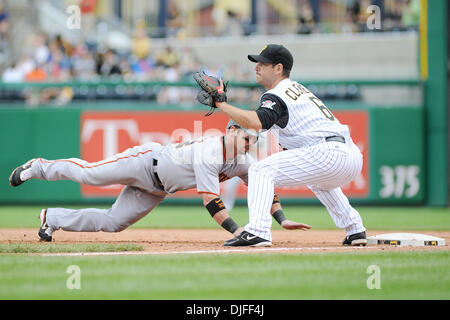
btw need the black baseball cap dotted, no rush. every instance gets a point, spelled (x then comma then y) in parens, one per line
(274, 53)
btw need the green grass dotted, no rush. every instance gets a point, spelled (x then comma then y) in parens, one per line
(64, 248)
(403, 275)
(381, 218)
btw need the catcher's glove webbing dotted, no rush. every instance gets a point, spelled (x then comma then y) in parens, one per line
(211, 91)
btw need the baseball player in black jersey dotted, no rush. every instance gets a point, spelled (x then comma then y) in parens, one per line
(318, 150)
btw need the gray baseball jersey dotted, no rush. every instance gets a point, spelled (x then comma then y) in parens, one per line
(201, 164)
(149, 172)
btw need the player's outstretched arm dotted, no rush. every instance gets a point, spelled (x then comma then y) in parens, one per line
(218, 212)
(277, 213)
(245, 118)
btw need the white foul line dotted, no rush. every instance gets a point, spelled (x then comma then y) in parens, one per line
(249, 250)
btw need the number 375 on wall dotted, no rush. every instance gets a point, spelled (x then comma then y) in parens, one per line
(399, 181)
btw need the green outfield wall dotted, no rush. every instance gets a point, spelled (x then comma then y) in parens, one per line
(391, 138)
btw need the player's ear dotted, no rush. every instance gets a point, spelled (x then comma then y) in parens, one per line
(233, 128)
(279, 68)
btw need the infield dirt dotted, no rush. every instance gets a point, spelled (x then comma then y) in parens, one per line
(188, 240)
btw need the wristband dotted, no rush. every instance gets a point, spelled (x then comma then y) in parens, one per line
(275, 199)
(229, 225)
(279, 216)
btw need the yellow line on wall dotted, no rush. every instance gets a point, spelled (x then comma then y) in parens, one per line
(423, 39)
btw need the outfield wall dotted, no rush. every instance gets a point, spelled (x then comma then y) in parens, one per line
(391, 139)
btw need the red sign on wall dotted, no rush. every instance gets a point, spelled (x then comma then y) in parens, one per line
(358, 123)
(104, 134)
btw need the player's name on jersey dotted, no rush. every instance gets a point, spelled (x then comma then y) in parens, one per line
(296, 90)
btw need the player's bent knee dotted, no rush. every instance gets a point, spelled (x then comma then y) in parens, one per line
(116, 225)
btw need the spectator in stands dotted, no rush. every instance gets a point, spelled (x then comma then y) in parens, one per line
(140, 43)
(110, 64)
(167, 58)
(411, 14)
(140, 69)
(303, 27)
(173, 22)
(13, 74)
(88, 8)
(234, 25)
(64, 46)
(3, 19)
(58, 66)
(125, 68)
(306, 21)
(4, 28)
(37, 74)
(83, 63)
(392, 16)
(354, 18)
(40, 48)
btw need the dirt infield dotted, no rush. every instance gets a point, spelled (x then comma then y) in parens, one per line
(207, 240)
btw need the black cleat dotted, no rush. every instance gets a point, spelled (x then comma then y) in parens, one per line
(44, 233)
(14, 178)
(357, 239)
(246, 239)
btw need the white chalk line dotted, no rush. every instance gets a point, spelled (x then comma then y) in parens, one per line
(250, 250)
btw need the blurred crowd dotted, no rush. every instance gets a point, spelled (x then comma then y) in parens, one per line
(51, 58)
(397, 15)
(54, 59)
(4, 25)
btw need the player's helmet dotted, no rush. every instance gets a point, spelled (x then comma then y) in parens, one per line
(251, 132)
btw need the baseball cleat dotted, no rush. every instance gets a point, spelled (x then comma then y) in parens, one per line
(246, 239)
(16, 179)
(357, 239)
(45, 233)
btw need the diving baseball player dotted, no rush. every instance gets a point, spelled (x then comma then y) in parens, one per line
(150, 172)
(231, 186)
(318, 150)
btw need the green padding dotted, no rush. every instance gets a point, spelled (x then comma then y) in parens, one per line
(397, 155)
(27, 134)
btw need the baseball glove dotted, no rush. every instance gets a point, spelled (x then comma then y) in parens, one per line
(211, 91)
(205, 98)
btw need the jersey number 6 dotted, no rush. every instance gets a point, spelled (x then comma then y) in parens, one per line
(326, 112)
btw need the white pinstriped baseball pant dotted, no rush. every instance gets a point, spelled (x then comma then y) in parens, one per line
(323, 168)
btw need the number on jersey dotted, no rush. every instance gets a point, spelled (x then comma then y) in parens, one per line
(296, 90)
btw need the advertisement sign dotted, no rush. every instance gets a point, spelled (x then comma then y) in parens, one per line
(104, 134)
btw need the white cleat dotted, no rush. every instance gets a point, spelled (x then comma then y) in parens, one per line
(20, 174)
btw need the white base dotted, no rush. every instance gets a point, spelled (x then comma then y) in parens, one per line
(405, 239)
